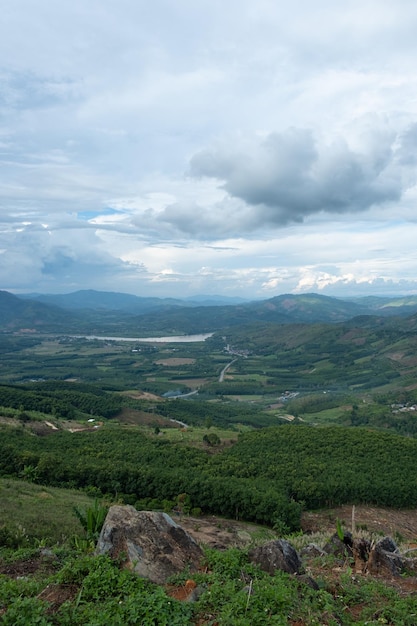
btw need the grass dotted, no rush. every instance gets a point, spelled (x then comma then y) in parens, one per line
(328, 416)
(77, 588)
(40, 512)
(195, 435)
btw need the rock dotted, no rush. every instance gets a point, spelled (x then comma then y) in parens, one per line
(276, 555)
(384, 558)
(312, 550)
(154, 546)
(310, 582)
(339, 547)
(388, 544)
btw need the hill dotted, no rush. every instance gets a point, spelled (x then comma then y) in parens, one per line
(115, 313)
(16, 313)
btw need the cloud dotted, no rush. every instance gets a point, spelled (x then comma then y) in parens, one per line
(295, 126)
(291, 175)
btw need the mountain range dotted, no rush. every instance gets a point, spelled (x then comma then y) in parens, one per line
(91, 311)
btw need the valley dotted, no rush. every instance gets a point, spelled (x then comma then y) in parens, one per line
(244, 427)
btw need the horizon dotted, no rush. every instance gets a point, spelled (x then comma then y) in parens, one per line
(208, 297)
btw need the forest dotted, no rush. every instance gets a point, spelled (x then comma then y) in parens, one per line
(267, 476)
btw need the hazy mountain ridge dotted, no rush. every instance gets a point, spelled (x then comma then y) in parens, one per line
(116, 301)
(93, 311)
(18, 313)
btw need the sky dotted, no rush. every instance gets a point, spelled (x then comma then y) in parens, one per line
(236, 147)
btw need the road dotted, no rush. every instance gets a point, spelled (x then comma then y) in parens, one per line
(224, 370)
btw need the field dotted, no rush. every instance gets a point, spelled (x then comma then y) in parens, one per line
(31, 511)
(316, 373)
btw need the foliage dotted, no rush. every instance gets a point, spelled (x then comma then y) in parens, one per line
(66, 400)
(211, 439)
(92, 519)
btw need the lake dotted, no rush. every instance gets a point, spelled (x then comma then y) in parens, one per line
(172, 339)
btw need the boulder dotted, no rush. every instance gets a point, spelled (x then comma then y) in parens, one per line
(150, 543)
(339, 547)
(312, 550)
(276, 555)
(384, 558)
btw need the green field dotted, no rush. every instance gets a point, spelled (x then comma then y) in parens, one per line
(29, 511)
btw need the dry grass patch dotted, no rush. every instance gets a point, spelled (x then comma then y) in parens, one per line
(173, 361)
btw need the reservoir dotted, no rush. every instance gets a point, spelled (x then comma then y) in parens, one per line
(172, 339)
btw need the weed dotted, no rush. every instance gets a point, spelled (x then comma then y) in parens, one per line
(92, 519)
(13, 536)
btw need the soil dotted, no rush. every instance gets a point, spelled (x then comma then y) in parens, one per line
(173, 361)
(143, 395)
(215, 532)
(43, 564)
(220, 533)
(397, 524)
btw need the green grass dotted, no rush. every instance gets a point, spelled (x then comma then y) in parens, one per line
(328, 416)
(40, 512)
(195, 435)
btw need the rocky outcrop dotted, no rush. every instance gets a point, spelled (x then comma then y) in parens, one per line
(384, 558)
(312, 551)
(339, 547)
(276, 555)
(148, 542)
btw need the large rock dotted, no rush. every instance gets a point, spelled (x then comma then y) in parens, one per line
(276, 555)
(339, 547)
(384, 558)
(153, 545)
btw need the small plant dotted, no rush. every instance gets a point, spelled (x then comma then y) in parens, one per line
(92, 519)
(13, 536)
(280, 527)
(30, 473)
(339, 530)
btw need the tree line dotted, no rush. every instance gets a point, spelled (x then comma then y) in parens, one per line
(268, 476)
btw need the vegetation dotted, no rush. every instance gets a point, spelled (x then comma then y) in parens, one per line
(270, 419)
(31, 513)
(63, 586)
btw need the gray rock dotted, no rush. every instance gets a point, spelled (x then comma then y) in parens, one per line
(312, 550)
(384, 558)
(276, 555)
(410, 565)
(151, 543)
(388, 544)
(338, 547)
(310, 582)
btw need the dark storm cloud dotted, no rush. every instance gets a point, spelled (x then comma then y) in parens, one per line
(288, 176)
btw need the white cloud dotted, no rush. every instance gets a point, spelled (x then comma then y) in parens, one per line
(297, 122)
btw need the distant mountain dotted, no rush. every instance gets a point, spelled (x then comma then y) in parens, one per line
(17, 314)
(309, 307)
(97, 312)
(115, 301)
(384, 305)
(286, 309)
(105, 301)
(214, 300)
